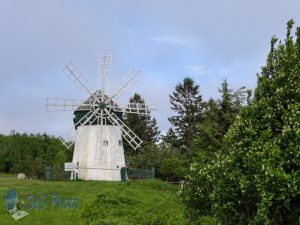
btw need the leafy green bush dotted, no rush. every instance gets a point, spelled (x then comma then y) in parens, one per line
(255, 178)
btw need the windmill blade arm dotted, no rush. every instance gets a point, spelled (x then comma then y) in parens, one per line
(87, 118)
(72, 73)
(65, 104)
(72, 133)
(67, 144)
(128, 134)
(135, 108)
(104, 73)
(69, 139)
(125, 85)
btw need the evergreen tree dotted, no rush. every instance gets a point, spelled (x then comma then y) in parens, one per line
(170, 139)
(153, 132)
(230, 105)
(143, 126)
(187, 103)
(210, 136)
(218, 115)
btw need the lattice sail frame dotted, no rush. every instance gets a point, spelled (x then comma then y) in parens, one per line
(99, 106)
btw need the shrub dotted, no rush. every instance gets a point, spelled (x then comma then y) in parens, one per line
(255, 178)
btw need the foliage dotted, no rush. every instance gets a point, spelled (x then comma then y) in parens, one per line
(210, 136)
(210, 127)
(169, 164)
(218, 115)
(170, 139)
(143, 126)
(205, 220)
(29, 153)
(230, 105)
(187, 103)
(255, 178)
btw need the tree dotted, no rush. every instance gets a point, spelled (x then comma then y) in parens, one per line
(209, 138)
(170, 139)
(255, 177)
(28, 153)
(217, 117)
(169, 164)
(187, 103)
(230, 105)
(143, 126)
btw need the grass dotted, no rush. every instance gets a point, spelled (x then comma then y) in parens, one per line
(135, 202)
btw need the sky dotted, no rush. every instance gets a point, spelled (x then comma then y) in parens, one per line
(167, 40)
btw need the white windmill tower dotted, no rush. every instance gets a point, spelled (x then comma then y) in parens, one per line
(98, 126)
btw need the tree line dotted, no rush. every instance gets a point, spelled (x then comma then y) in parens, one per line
(197, 126)
(30, 153)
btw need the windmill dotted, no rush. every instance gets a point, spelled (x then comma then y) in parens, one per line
(98, 123)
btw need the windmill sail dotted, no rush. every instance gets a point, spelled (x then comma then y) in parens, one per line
(128, 134)
(98, 126)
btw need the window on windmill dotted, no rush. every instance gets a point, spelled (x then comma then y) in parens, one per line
(120, 142)
(105, 143)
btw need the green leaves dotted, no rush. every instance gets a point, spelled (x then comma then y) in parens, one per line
(254, 178)
(29, 153)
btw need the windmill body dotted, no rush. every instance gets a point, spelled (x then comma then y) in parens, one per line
(95, 162)
(99, 130)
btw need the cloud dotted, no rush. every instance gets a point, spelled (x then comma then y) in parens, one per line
(182, 37)
(175, 40)
(200, 70)
(197, 70)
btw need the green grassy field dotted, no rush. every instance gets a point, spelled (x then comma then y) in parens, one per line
(135, 202)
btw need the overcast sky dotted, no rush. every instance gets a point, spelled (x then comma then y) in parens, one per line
(167, 40)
